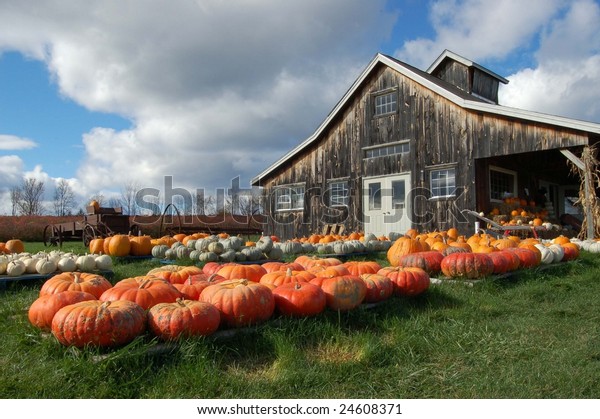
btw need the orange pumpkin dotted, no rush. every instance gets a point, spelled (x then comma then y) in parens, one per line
(119, 245)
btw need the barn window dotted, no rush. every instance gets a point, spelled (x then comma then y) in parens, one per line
(375, 196)
(442, 182)
(289, 198)
(503, 183)
(402, 147)
(339, 195)
(386, 103)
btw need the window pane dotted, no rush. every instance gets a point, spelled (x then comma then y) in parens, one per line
(501, 183)
(375, 196)
(442, 182)
(338, 194)
(398, 193)
(385, 103)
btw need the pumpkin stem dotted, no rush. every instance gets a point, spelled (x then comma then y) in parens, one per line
(76, 278)
(103, 307)
(180, 301)
(288, 272)
(144, 283)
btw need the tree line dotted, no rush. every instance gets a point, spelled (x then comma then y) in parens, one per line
(27, 198)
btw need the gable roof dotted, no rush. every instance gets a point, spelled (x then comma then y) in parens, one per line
(441, 87)
(465, 61)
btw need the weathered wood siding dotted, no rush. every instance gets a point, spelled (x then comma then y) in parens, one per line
(440, 133)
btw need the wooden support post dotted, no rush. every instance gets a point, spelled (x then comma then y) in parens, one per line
(590, 194)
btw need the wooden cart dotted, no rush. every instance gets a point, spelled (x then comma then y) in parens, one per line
(98, 222)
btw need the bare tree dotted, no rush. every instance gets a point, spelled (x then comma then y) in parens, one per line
(205, 205)
(64, 198)
(250, 203)
(128, 195)
(30, 202)
(15, 198)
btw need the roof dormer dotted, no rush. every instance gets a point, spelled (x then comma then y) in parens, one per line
(467, 75)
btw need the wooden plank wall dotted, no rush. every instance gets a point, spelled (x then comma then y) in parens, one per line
(439, 131)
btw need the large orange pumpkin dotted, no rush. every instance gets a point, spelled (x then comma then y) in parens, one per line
(76, 281)
(43, 309)
(299, 299)
(379, 287)
(241, 302)
(404, 246)
(250, 272)
(97, 323)
(343, 292)
(183, 318)
(14, 246)
(146, 291)
(140, 245)
(467, 265)
(409, 281)
(195, 284)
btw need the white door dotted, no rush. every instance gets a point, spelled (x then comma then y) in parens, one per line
(385, 204)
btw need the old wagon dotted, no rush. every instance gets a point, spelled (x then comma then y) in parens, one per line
(98, 222)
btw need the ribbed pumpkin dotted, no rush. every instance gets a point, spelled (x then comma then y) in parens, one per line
(343, 292)
(76, 281)
(183, 318)
(211, 267)
(570, 251)
(358, 268)
(43, 309)
(250, 272)
(430, 261)
(119, 245)
(309, 261)
(195, 284)
(241, 302)
(146, 291)
(281, 266)
(277, 278)
(299, 299)
(528, 257)
(404, 246)
(408, 281)
(179, 276)
(500, 261)
(97, 323)
(467, 265)
(329, 271)
(379, 287)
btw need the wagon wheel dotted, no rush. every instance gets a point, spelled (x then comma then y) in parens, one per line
(88, 234)
(52, 236)
(162, 218)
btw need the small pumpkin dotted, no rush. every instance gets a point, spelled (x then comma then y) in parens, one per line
(379, 287)
(250, 272)
(343, 292)
(193, 286)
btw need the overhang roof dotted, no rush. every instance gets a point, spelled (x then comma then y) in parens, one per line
(444, 89)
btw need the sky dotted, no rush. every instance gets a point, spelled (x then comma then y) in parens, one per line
(106, 93)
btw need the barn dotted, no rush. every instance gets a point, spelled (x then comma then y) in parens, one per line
(406, 148)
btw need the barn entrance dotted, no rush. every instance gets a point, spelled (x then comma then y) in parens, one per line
(385, 204)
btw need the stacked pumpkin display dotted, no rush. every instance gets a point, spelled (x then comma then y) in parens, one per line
(477, 256)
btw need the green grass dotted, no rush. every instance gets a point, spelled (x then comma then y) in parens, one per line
(536, 335)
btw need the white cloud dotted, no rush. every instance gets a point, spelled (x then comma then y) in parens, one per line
(12, 142)
(557, 39)
(479, 29)
(213, 89)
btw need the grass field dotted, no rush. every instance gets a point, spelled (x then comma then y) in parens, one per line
(535, 335)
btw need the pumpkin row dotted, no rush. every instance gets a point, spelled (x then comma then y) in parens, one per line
(85, 309)
(45, 263)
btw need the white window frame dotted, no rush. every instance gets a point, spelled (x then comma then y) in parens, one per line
(434, 170)
(389, 102)
(505, 171)
(289, 198)
(337, 200)
(389, 149)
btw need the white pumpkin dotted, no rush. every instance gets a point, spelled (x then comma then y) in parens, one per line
(547, 255)
(45, 266)
(559, 252)
(30, 264)
(593, 247)
(15, 268)
(104, 262)
(67, 264)
(86, 263)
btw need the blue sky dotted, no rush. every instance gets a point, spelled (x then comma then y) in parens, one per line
(103, 95)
